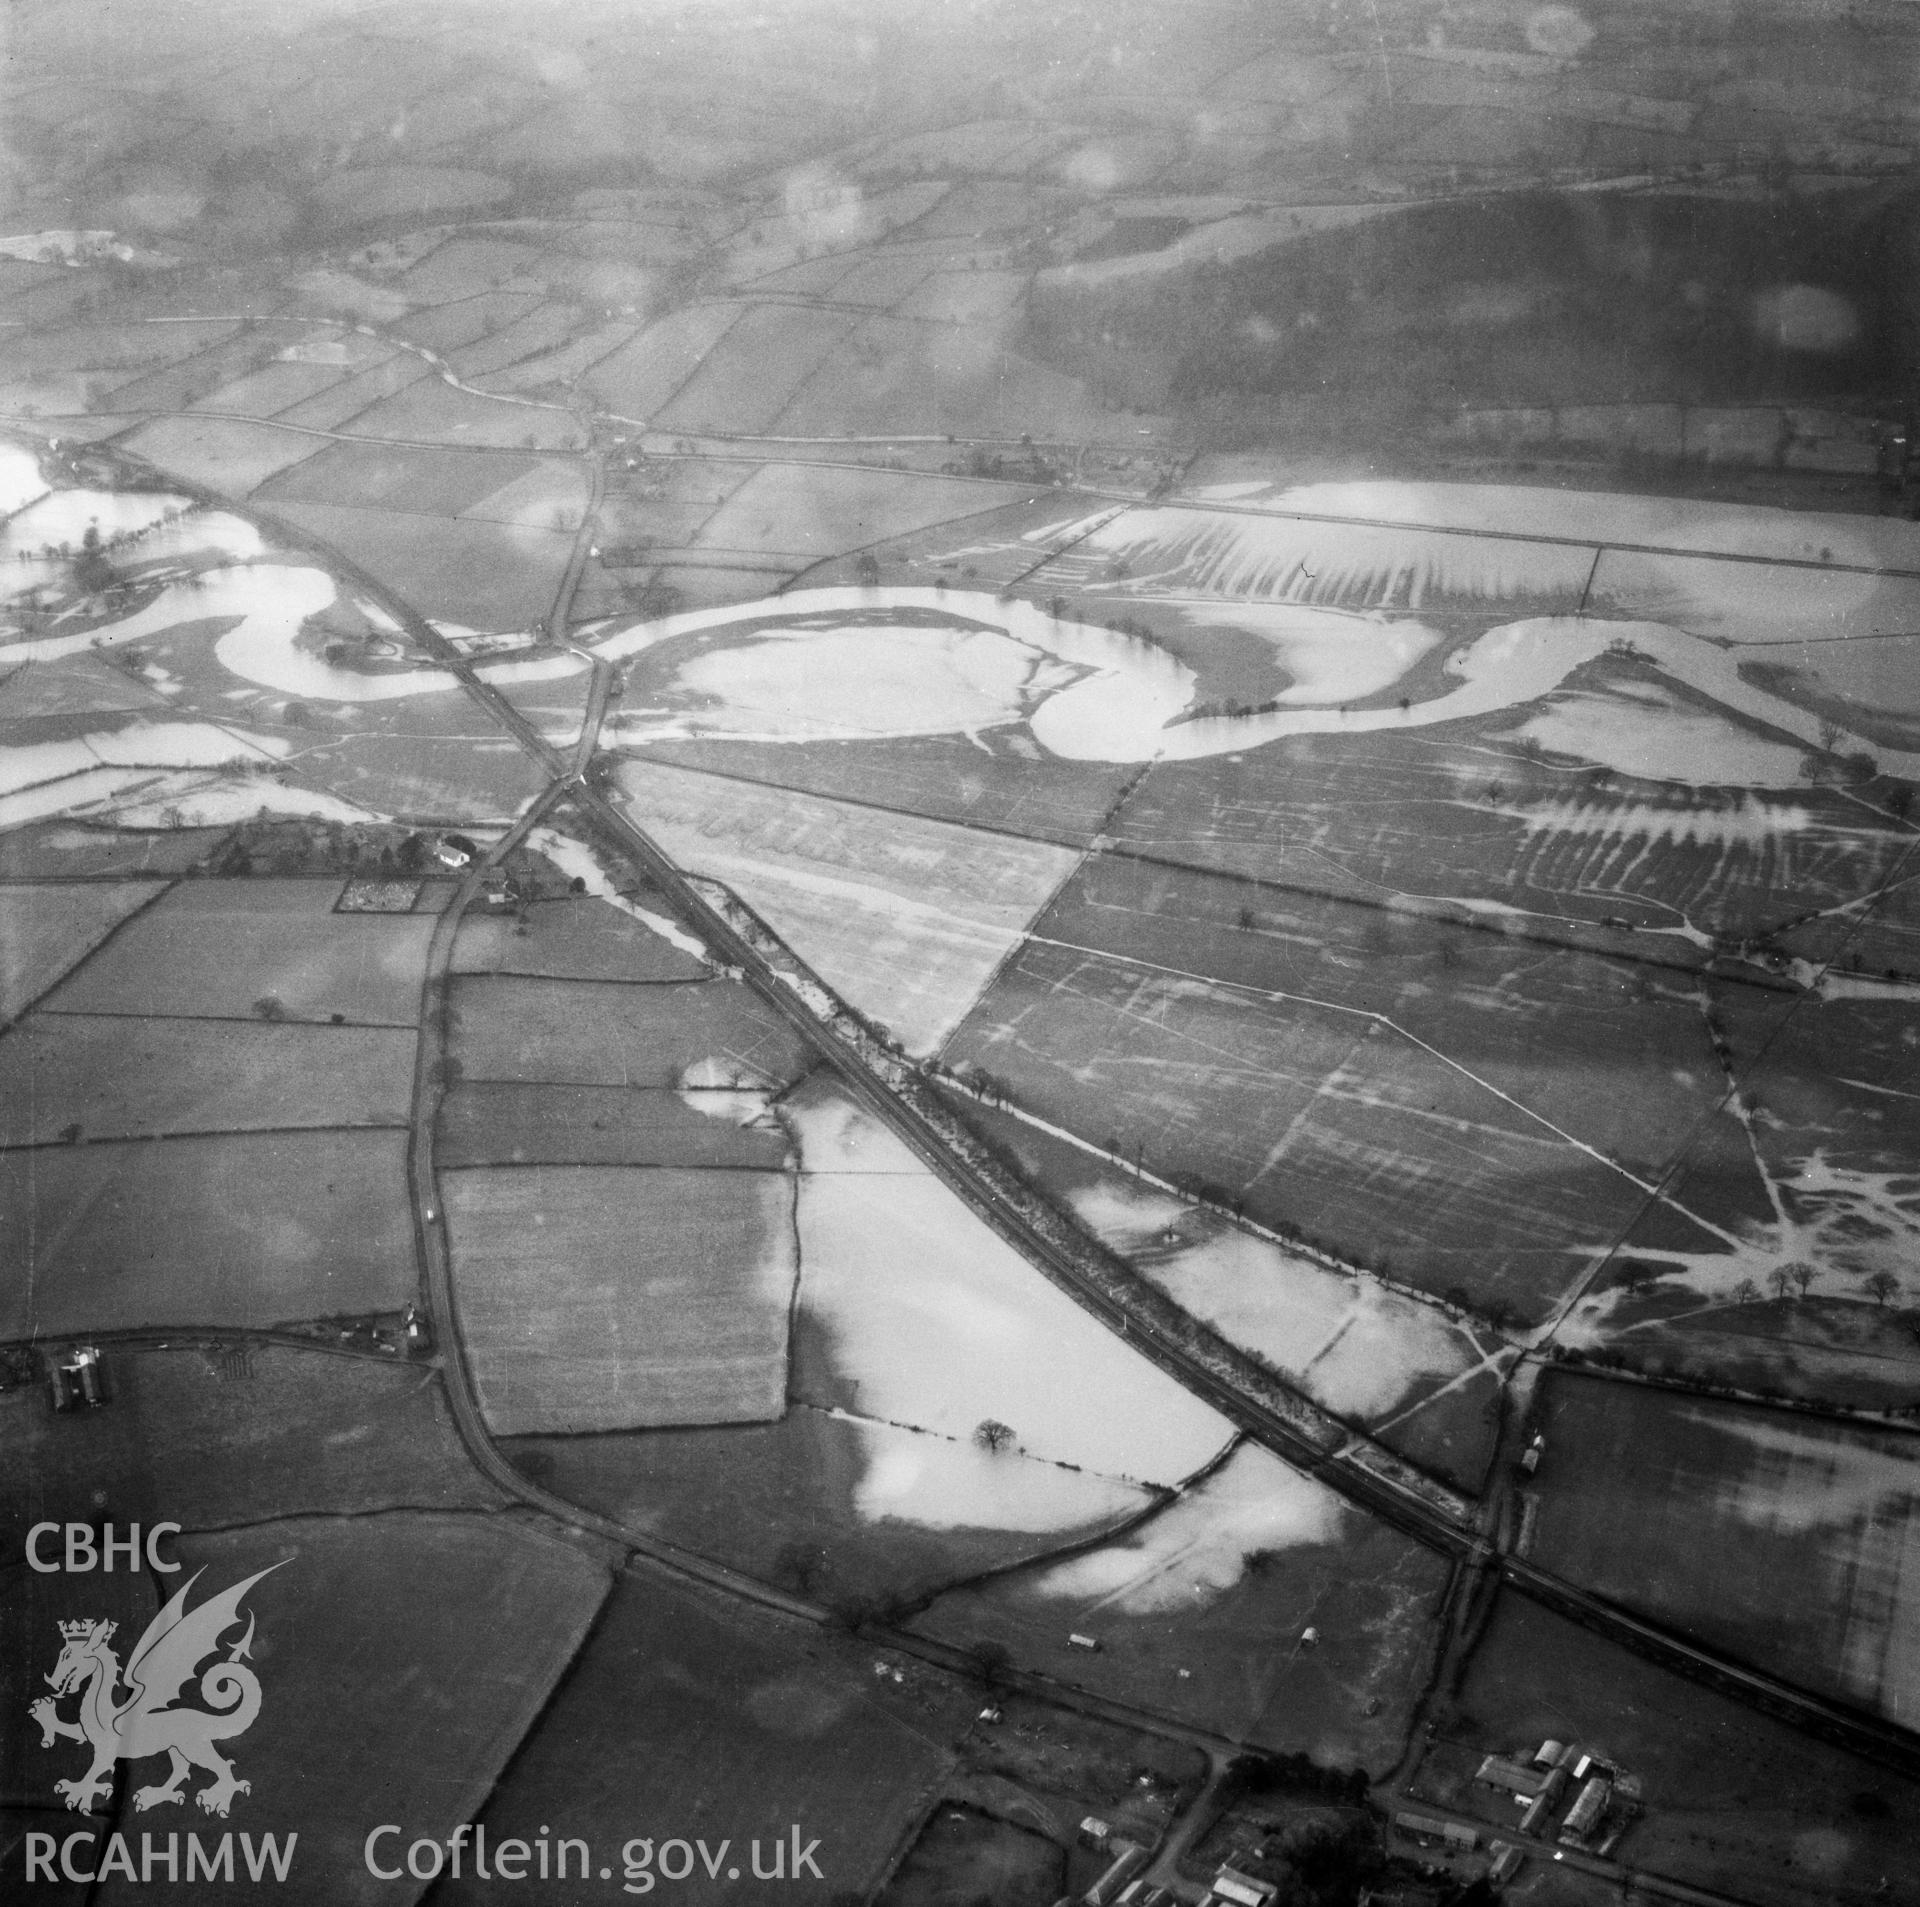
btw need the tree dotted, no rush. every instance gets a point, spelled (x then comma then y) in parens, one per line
(1881, 1286)
(1746, 1292)
(1781, 1279)
(1802, 1274)
(992, 1435)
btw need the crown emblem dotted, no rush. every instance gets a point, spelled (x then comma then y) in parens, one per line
(73, 1631)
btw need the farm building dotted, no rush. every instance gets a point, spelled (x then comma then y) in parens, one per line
(1584, 1816)
(1507, 1862)
(1129, 1857)
(78, 1380)
(1235, 1889)
(1427, 1827)
(1512, 1776)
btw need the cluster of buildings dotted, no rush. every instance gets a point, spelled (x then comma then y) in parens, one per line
(1567, 1793)
(1123, 1881)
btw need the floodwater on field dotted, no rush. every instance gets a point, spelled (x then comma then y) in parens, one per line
(944, 1483)
(1846, 1221)
(65, 516)
(1333, 655)
(139, 744)
(944, 662)
(197, 802)
(936, 1322)
(1240, 553)
(1642, 731)
(576, 860)
(1598, 516)
(1198, 1547)
(727, 1089)
(20, 478)
(1352, 1345)
(1747, 824)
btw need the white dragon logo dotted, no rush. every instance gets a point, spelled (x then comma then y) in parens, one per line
(143, 1722)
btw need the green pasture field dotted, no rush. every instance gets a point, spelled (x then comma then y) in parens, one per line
(577, 939)
(713, 585)
(216, 1435)
(593, 1033)
(1735, 1801)
(183, 381)
(630, 526)
(463, 267)
(556, 372)
(880, 280)
(994, 550)
(343, 402)
(222, 948)
(637, 379)
(227, 454)
(431, 411)
(242, 1229)
(376, 1628)
(898, 374)
(271, 389)
(983, 782)
(746, 378)
(551, 496)
(66, 850)
(966, 297)
(541, 329)
(493, 576)
(107, 347)
(451, 327)
(50, 926)
(508, 1123)
(373, 476)
(1776, 1537)
(695, 1719)
(607, 1297)
(74, 685)
(104, 1077)
(823, 512)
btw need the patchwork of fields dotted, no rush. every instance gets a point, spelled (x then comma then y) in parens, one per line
(862, 882)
